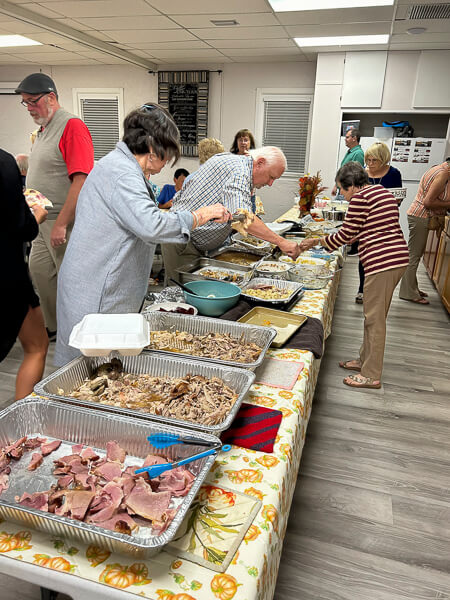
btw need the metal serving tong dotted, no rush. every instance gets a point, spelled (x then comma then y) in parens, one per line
(241, 217)
(165, 440)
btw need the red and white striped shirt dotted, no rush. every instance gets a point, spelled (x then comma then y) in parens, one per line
(417, 209)
(372, 218)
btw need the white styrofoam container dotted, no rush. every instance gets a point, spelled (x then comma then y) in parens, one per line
(383, 132)
(100, 334)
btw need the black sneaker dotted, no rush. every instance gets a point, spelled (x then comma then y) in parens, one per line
(51, 335)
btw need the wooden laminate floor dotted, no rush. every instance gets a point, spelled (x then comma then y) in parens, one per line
(370, 518)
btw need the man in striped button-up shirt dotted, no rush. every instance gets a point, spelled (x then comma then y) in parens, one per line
(229, 179)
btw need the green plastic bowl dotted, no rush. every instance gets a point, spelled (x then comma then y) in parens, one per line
(225, 296)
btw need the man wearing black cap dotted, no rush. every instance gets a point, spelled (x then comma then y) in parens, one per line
(60, 160)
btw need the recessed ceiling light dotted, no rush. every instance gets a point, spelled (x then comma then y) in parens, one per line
(225, 22)
(16, 40)
(297, 5)
(416, 30)
(342, 40)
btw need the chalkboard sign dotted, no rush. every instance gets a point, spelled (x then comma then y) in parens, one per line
(185, 95)
(183, 108)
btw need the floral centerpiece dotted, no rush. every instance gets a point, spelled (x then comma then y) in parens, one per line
(309, 189)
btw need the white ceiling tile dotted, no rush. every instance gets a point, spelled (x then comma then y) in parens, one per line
(245, 20)
(19, 27)
(258, 43)
(204, 7)
(186, 64)
(424, 38)
(130, 22)
(422, 46)
(347, 48)
(99, 35)
(268, 59)
(100, 8)
(46, 37)
(163, 35)
(338, 29)
(261, 50)
(422, 2)
(350, 15)
(431, 25)
(225, 33)
(189, 44)
(41, 10)
(188, 54)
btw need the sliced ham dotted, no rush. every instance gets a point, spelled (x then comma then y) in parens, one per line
(33, 443)
(112, 495)
(67, 460)
(85, 481)
(77, 448)
(36, 461)
(89, 454)
(177, 481)
(76, 504)
(78, 467)
(49, 447)
(61, 470)
(65, 480)
(159, 527)
(121, 522)
(4, 463)
(114, 452)
(38, 500)
(108, 470)
(15, 450)
(153, 459)
(146, 503)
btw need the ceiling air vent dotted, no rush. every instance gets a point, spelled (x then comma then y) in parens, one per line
(428, 11)
(225, 22)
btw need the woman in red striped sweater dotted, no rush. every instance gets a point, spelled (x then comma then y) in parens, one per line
(373, 219)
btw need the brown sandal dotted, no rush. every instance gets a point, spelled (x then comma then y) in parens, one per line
(359, 381)
(345, 364)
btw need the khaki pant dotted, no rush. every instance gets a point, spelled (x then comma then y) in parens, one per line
(378, 290)
(45, 262)
(176, 255)
(418, 235)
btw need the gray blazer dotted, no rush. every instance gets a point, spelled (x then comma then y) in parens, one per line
(110, 252)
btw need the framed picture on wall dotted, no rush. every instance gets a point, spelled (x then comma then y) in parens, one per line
(346, 125)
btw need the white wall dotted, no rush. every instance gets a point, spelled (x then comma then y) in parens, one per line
(231, 105)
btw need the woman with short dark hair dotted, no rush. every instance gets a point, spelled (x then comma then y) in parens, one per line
(118, 224)
(373, 219)
(243, 142)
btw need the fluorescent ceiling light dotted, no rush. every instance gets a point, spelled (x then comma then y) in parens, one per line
(297, 5)
(7, 41)
(342, 40)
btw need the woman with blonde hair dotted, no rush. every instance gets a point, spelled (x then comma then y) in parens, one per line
(380, 172)
(209, 147)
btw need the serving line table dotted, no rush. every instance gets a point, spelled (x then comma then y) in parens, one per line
(80, 570)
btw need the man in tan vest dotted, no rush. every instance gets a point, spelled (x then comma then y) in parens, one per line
(60, 160)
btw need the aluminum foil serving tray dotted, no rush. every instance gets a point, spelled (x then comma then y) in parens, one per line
(192, 271)
(292, 287)
(261, 336)
(74, 373)
(73, 424)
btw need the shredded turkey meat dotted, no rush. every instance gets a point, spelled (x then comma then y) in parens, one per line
(190, 398)
(210, 345)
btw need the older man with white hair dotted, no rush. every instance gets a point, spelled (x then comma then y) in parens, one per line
(229, 179)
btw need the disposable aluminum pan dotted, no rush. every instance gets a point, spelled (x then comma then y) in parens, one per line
(73, 424)
(74, 374)
(193, 271)
(261, 336)
(293, 287)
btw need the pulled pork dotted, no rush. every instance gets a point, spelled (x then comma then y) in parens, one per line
(209, 345)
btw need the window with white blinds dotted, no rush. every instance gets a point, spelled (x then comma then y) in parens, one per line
(285, 121)
(102, 113)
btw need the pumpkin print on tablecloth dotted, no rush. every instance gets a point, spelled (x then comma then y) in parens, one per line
(224, 586)
(268, 461)
(57, 563)
(251, 491)
(96, 555)
(168, 595)
(121, 577)
(264, 401)
(245, 475)
(269, 514)
(176, 564)
(252, 533)
(15, 541)
(216, 497)
(285, 394)
(286, 451)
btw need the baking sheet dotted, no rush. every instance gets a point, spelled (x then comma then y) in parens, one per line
(286, 324)
(73, 374)
(203, 325)
(75, 424)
